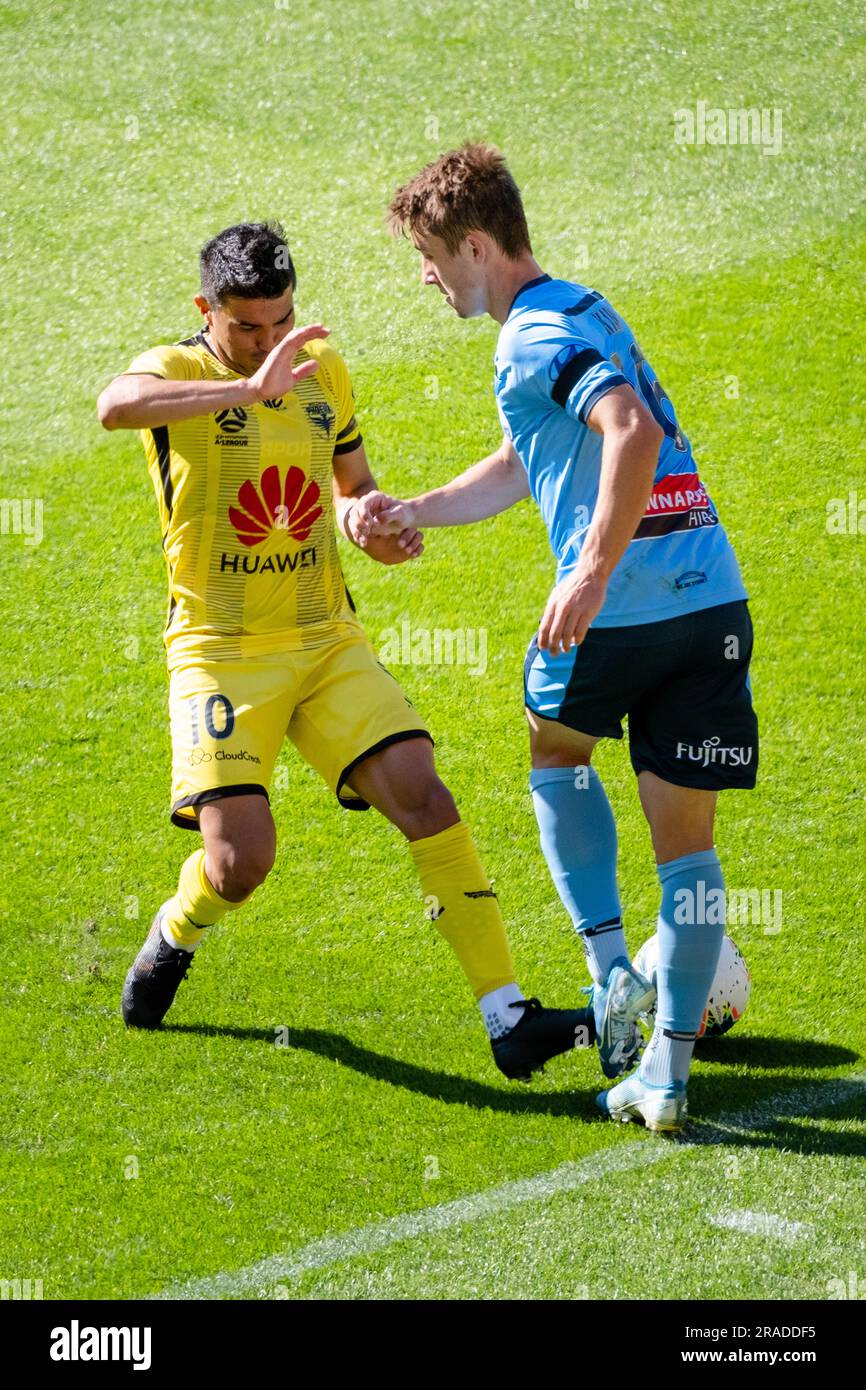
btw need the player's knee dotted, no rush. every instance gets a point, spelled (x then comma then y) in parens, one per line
(552, 745)
(432, 808)
(238, 870)
(550, 752)
(560, 757)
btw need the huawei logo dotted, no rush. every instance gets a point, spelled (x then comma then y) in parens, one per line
(276, 505)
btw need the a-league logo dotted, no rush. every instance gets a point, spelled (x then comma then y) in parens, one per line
(232, 421)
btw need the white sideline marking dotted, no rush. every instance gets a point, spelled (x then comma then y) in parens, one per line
(762, 1223)
(365, 1240)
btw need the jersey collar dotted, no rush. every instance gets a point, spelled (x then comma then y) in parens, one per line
(202, 339)
(530, 285)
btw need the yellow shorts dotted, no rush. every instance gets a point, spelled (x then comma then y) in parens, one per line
(337, 704)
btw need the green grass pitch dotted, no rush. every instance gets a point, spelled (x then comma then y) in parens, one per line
(137, 1163)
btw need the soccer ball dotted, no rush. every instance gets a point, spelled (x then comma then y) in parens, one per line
(729, 994)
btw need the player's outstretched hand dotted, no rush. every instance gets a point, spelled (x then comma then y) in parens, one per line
(277, 376)
(573, 604)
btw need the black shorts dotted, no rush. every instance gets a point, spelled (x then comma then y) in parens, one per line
(683, 683)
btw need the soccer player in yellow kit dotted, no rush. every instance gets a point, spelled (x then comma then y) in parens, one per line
(254, 451)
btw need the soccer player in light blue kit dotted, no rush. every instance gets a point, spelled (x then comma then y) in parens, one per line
(648, 617)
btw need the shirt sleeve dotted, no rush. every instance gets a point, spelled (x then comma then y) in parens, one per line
(565, 367)
(348, 435)
(578, 375)
(172, 363)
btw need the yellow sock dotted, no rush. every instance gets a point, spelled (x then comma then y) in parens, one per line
(463, 905)
(196, 904)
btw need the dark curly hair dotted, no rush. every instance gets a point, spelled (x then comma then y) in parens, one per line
(249, 261)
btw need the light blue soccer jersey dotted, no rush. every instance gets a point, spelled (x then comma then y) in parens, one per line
(560, 349)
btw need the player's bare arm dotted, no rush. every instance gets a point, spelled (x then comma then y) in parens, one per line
(631, 440)
(353, 485)
(487, 488)
(138, 401)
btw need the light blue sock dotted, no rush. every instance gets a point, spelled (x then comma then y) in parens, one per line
(578, 839)
(691, 928)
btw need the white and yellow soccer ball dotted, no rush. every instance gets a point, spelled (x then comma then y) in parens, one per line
(730, 991)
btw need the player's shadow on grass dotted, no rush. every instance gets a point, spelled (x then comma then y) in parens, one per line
(717, 1093)
(788, 1133)
(439, 1085)
(772, 1053)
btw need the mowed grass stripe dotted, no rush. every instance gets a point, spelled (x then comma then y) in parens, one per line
(366, 1240)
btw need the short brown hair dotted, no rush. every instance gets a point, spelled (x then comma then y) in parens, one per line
(466, 190)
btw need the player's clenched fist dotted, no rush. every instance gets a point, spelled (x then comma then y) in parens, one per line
(386, 542)
(396, 518)
(377, 514)
(277, 375)
(362, 519)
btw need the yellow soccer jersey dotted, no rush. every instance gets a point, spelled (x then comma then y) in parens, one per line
(247, 510)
